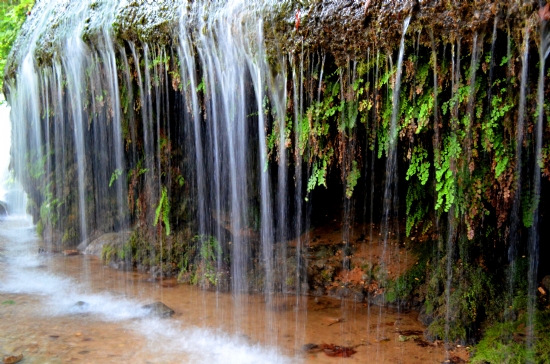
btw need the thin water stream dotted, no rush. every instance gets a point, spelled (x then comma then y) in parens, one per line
(42, 320)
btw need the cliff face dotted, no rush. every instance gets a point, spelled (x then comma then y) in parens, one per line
(220, 125)
(345, 29)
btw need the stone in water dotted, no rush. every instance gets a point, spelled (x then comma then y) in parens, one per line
(159, 309)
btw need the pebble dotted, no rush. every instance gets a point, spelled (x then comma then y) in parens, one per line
(158, 309)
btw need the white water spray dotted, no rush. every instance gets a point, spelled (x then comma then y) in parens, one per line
(5, 145)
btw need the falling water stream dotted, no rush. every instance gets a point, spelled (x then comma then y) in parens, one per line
(5, 144)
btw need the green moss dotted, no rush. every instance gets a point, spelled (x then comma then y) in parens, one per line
(404, 287)
(504, 343)
(40, 227)
(69, 236)
(473, 299)
(108, 253)
(199, 262)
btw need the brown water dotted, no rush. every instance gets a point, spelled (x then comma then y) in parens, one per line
(39, 320)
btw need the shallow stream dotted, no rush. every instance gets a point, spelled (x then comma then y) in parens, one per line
(40, 317)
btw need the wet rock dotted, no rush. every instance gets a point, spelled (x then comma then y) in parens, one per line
(424, 317)
(546, 283)
(91, 237)
(121, 265)
(357, 295)
(51, 237)
(164, 271)
(318, 291)
(3, 209)
(377, 299)
(115, 240)
(311, 348)
(354, 293)
(79, 307)
(429, 337)
(158, 309)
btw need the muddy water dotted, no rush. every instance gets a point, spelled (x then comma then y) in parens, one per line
(39, 318)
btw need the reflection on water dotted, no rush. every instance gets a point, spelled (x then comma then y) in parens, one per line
(39, 317)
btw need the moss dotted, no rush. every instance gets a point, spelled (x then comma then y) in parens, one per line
(69, 237)
(40, 227)
(504, 342)
(473, 299)
(199, 262)
(108, 253)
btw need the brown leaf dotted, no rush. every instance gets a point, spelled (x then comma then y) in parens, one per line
(337, 351)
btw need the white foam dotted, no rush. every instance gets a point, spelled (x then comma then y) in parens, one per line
(205, 346)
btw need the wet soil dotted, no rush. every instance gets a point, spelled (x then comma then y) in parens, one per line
(356, 262)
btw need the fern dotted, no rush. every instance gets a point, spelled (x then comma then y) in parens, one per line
(162, 212)
(419, 166)
(445, 181)
(351, 180)
(115, 176)
(415, 196)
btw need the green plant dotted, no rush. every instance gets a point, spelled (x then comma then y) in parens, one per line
(114, 176)
(201, 87)
(180, 180)
(198, 263)
(403, 287)
(446, 184)
(108, 253)
(12, 16)
(351, 180)
(209, 251)
(420, 166)
(39, 227)
(504, 342)
(417, 209)
(319, 173)
(162, 212)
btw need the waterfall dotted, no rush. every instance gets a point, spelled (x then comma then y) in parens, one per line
(5, 143)
(389, 221)
(533, 248)
(222, 136)
(390, 188)
(514, 217)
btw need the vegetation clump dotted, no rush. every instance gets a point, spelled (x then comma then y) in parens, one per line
(12, 16)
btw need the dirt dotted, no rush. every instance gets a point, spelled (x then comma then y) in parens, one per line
(357, 267)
